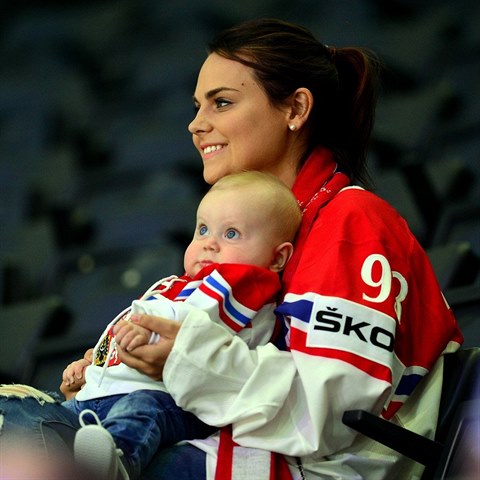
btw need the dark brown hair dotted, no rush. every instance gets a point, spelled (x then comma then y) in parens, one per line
(343, 82)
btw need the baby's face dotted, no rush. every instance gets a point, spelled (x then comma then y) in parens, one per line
(231, 228)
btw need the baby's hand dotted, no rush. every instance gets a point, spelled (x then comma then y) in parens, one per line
(129, 336)
(89, 355)
(73, 378)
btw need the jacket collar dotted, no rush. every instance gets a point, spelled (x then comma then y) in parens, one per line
(318, 169)
(317, 183)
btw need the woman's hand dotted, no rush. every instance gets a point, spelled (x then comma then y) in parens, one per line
(150, 359)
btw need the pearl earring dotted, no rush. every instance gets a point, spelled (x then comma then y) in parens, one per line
(292, 127)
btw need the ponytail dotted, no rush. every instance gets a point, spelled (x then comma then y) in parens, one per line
(358, 73)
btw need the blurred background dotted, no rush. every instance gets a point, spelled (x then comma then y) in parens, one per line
(99, 180)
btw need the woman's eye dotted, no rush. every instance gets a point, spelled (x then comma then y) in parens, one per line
(231, 234)
(202, 230)
(221, 102)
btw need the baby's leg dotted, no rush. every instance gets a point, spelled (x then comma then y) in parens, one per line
(146, 420)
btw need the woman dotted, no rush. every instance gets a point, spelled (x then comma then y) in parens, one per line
(364, 317)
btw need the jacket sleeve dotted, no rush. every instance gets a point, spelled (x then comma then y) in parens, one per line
(276, 400)
(291, 402)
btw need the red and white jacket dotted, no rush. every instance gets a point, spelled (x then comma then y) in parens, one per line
(241, 298)
(365, 328)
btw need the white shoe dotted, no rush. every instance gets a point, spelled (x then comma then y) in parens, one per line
(95, 449)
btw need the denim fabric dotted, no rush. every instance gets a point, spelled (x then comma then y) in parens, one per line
(30, 425)
(51, 428)
(142, 422)
(182, 462)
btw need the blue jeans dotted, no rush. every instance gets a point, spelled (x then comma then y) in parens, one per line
(51, 427)
(141, 422)
(181, 462)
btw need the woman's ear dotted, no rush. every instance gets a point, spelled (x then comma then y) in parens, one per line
(281, 256)
(301, 104)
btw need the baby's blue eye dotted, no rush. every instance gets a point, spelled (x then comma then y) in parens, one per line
(231, 234)
(203, 230)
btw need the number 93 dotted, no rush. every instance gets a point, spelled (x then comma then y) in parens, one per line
(383, 282)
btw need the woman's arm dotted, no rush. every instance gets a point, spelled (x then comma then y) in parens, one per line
(274, 399)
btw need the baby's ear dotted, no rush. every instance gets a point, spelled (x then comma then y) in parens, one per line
(281, 256)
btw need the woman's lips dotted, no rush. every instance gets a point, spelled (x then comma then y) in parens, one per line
(209, 151)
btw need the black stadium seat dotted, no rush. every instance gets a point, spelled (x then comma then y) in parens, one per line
(458, 416)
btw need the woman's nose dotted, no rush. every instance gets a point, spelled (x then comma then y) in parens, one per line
(199, 124)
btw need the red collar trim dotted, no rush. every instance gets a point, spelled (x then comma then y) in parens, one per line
(317, 170)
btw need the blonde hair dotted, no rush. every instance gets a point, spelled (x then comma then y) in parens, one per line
(274, 198)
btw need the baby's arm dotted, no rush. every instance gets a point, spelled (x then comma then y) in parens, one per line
(130, 336)
(73, 377)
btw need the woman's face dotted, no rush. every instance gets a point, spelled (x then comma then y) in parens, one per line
(236, 128)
